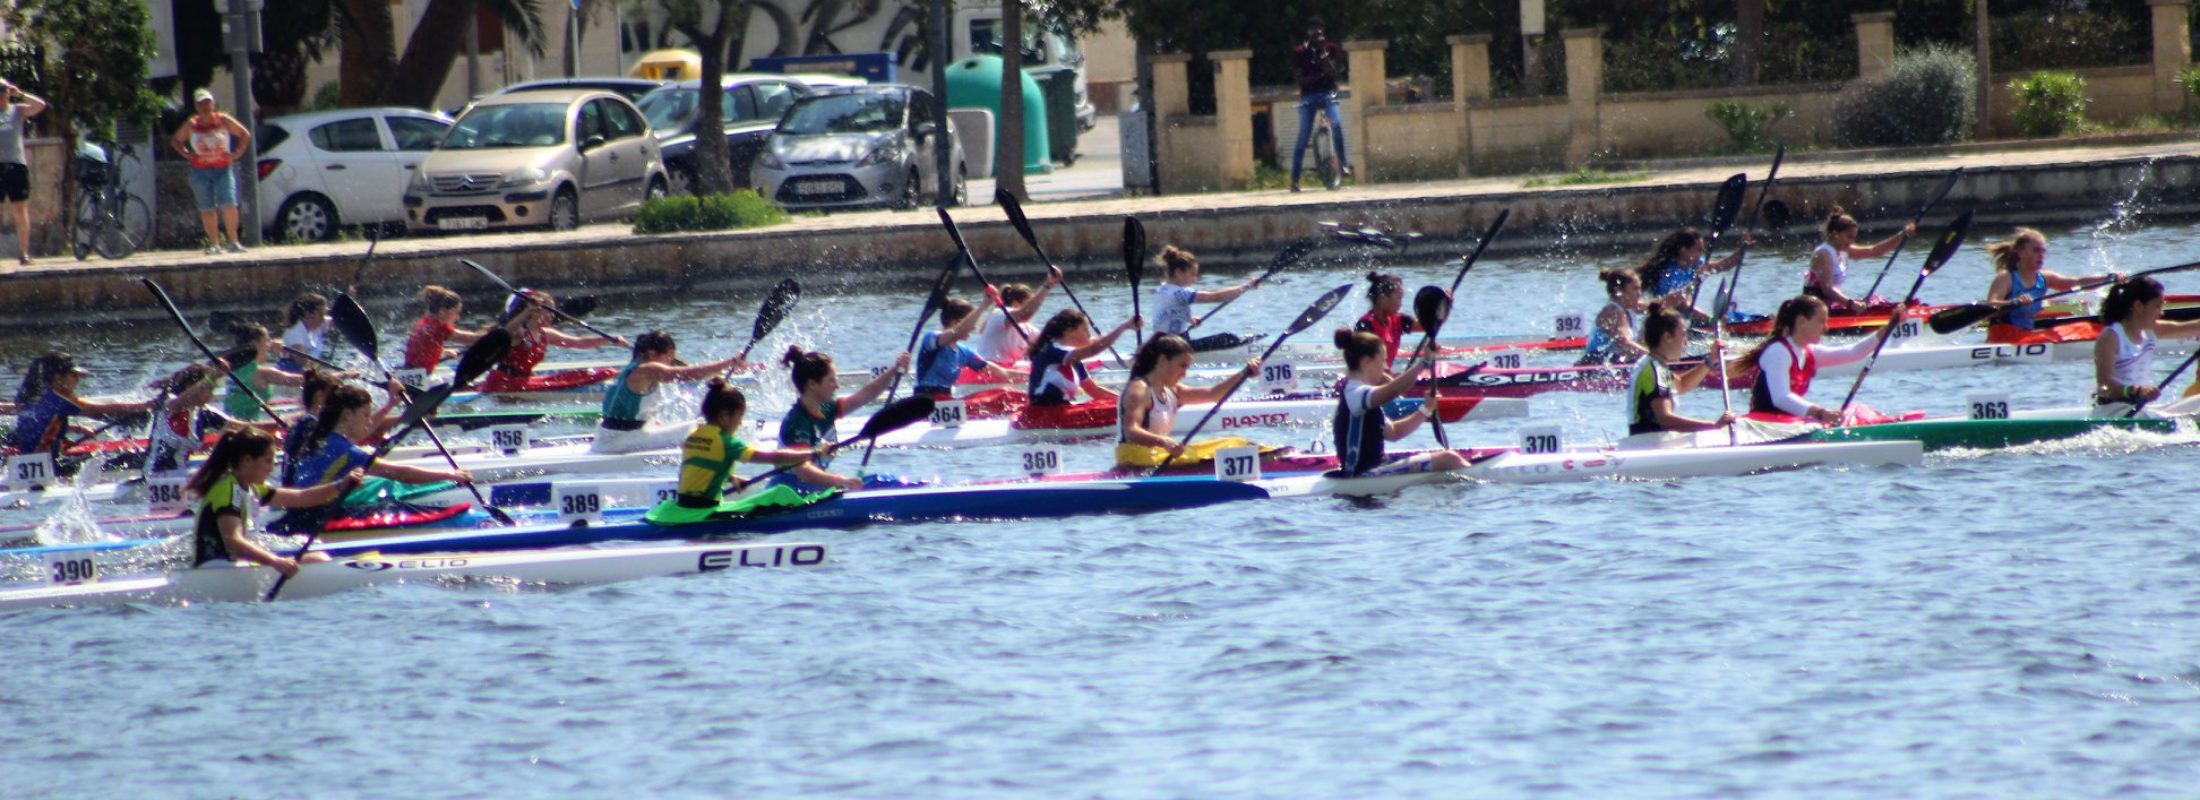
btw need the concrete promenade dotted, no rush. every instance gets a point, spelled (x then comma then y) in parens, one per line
(2043, 186)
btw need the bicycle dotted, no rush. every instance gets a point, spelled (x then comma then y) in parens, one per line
(1323, 141)
(108, 218)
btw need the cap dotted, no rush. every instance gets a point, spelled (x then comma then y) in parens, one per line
(201, 96)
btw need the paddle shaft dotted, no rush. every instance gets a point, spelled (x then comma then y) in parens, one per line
(372, 350)
(1487, 235)
(554, 310)
(169, 305)
(915, 333)
(1016, 217)
(2164, 385)
(1894, 318)
(1772, 177)
(1945, 185)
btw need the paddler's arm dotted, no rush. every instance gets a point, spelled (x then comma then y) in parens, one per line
(1884, 246)
(109, 409)
(242, 548)
(1208, 394)
(1093, 348)
(654, 372)
(463, 336)
(1995, 291)
(403, 473)
(877, 385)
(1219, 295)
(558, 338)
(2058, 281)
(810, 473)
(1614, 324)
(1030, 307)
(961, 329)
(1670, 419)
(2172, 329)
(317, 496)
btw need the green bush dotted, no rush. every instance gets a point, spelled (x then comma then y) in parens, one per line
(1927, 96)
(2101, 36)
(1747, 126)
(719, 212)
(2049, 104)
(2189, 77)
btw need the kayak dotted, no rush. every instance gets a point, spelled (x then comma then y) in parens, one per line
(249, 583)
(1688, 462)
(1986, 434)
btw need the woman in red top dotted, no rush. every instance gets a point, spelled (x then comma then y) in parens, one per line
(532, 338)
(437, 327)
(213, 141)
(1386, 295)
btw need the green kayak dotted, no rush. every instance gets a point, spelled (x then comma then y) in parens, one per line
(1986, 434)
(772, 499)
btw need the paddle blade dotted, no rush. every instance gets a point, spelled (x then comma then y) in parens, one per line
(1321, 308)
(580, 306)
(352, 323)
(1223, 341)
(1950, 320)
(1951, 240)
(1431, 307)
(1729, 204)
(1293, 252)
(955, 232)
(775, 308)
(485, 353)
(1722, 301)
(1134, 250)
(1015, 210)
(940, 287)
(896, 416)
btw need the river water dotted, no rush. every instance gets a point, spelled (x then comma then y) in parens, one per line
(2020, 623)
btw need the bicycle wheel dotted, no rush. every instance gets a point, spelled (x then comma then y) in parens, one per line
(127, 230)
(1325, 154)
(84, 225)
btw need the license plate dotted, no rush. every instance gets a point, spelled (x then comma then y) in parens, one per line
(463, 223)
(817, 187)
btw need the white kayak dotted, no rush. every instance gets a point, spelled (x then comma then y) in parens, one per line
(1688, 462)
(226, 582)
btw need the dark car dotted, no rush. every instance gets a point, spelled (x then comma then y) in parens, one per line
(748, 108)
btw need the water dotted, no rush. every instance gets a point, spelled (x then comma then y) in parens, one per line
(1987, 625)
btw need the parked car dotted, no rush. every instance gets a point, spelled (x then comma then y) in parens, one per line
(748, 109)
(860, 146)
(631, 88)
(327, 169)
(555, 157)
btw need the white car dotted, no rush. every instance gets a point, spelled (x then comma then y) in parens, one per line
(327, 169)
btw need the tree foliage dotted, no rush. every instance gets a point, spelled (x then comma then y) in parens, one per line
(96, 54)
(711, 26)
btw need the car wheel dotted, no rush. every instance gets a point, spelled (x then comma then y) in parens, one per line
(306, 218)
(565, 210)
(656, 190)
(911, 191)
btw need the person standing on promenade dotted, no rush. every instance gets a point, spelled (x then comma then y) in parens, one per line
(1315, 64)
(213, 141)
(17, 107)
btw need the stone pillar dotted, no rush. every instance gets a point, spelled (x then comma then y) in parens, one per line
(1874, 42)
(1365, 59)
(2172, 53)
(1584, 82)
(1234, 117)
(1172, 96)
(1470, 83)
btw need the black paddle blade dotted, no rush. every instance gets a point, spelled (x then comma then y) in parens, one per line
(896, 416)
(940, 287)
(1321, 308)
(1431, 307)
(1291, 253)
(1223, 341)
(485, 353)
(1951, 240)
(955, 231)
(580, 306)
(1134, 249)
(352, 323)
(775, 308)
(1729, 204)
(1950, 320)
(1015, 210)
(493, 277)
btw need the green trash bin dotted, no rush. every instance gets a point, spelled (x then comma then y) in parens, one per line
(1060, 86)
(975, 82)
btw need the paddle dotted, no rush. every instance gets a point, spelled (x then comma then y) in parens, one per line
(317, 360)
(1945, 184)
(775, 308)
(1496, 225)
(523, 296)
(895, 416)
(485, 353)
(931, 303)
(1290, 254)
(352, 323)
(1015, 209)
(1950, 320)
(963, 247)
(580, 306)
(169, 304)
(1431, 306)
(2173, 374)
(1772, 177)
(1223, 341)
(374, 239)
(1134, 265)
(1719, 306)
(1724, 209)
(1950, 240)
(1311, 315)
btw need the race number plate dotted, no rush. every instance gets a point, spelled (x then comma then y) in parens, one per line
(1992, 405)
(1237, 464)
(1537, 439)
(509, 439)
(948, 414)
(577, 503)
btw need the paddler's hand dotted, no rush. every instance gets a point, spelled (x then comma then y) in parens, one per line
(1252, 367)
(1725, 419)
(847, 483)
(901, 362)
(1825, 415)
(1909, 230)
(287, 566)
(2145, 394)
(462, 476)
(1054, 275)
(352, 480)
(395, 387)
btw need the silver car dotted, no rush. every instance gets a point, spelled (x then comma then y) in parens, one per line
(544, 158)
(859, 147)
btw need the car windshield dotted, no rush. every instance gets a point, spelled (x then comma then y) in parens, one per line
(669, 109)
(843, 113)
(508, 125)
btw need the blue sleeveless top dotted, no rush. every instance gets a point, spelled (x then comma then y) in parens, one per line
(2022, 315)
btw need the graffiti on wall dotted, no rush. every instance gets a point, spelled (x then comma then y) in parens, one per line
(809, 27)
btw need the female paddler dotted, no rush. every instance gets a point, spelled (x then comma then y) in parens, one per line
(2123, 356)
(1062, 394)
(1006, 335)
(305, 330)
(232, 486)
(942, 355)
(711, 452)
(1669, 275)
(1651, 396)
(623, 428)
(47, 400)
(1612, 338)
(258, 373)
(182, 421)
(1787, 360)
(1386, 297)
(1359, 427)
(532, 338)
(1146, 411)
(436, 328)
(2020, 282)
(1829, 264)
(1174, 295)
(814, 420)
(330, 450)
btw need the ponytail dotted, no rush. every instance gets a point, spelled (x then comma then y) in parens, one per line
(1176, 259)
(2004, 254)
(1358, 346)
(1660, 322)
(2127, 294)
(806, 367)
(720, 398)
(233, 448)
(1167, 345)
(1837, 221)
(1382, 283)
(1668, 251)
